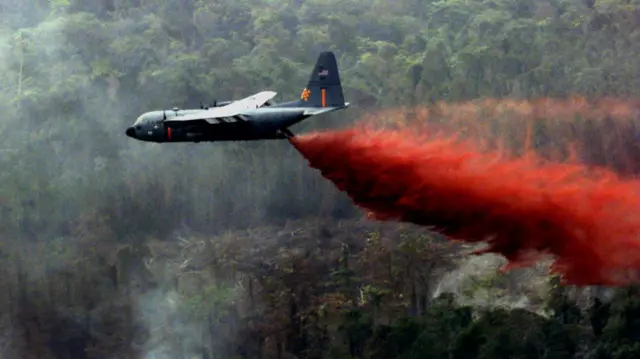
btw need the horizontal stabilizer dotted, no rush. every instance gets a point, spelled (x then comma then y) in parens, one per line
(314, 111)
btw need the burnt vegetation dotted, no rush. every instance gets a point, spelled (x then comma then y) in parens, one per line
(113, 248)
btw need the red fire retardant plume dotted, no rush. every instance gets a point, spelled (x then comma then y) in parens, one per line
(521, 207)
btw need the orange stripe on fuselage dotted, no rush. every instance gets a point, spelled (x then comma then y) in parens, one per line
(324, 97)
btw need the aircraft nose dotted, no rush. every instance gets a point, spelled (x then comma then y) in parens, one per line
(131, 132)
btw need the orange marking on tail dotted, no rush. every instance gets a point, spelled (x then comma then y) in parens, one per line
(324, 97)
(169, 133)
(305, 94)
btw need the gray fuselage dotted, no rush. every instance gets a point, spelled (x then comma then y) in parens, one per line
(255, 124)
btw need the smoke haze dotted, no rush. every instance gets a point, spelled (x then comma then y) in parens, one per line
(140, 250)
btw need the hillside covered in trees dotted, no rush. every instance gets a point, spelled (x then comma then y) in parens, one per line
(113, 248)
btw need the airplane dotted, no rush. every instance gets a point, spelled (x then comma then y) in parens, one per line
(256, 117)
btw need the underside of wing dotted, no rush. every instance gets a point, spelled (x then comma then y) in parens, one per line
(209, 116)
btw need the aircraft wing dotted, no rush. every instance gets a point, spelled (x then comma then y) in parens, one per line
(253, 101)
(230, 110)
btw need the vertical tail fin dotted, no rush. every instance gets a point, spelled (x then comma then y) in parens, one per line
(324, 88)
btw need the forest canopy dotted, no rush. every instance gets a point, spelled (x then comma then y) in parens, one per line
(264, 258)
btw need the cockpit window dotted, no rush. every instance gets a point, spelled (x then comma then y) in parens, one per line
(139, 120)
(149, 117)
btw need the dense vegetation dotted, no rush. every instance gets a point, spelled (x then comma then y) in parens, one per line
(113, 248)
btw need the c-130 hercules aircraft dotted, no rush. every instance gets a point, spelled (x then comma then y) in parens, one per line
(255, 117)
